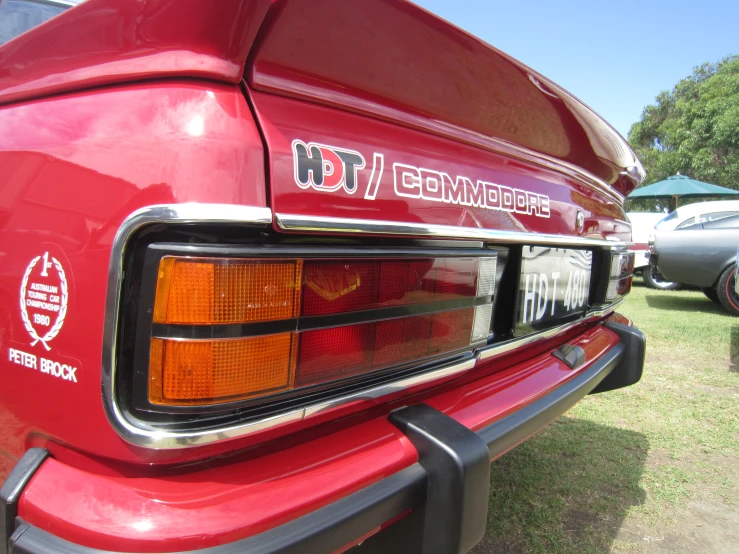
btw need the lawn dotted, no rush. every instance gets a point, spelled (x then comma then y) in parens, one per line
(650, 468)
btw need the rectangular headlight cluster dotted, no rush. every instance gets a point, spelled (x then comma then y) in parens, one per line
(227, 329)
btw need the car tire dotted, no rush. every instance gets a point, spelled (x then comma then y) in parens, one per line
(654, 280)
(711, 294)
(725, 291)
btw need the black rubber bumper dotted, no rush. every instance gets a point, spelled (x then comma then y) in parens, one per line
(447, 490)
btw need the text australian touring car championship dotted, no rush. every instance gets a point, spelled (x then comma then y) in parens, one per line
(330, 168)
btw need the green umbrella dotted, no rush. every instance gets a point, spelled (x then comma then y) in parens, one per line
(679, 186)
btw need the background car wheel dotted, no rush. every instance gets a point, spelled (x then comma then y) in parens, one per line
(725, 289)
(711, 294)
(653, 279)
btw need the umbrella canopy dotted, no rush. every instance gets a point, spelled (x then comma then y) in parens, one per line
(679, 186)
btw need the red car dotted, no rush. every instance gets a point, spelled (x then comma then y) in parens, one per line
(286, 276)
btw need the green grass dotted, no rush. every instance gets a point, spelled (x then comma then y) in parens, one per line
(624, 467)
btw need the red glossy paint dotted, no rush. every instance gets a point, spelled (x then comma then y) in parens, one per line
(478, 404)
(201, 508)
(622, 319)
(284, 120)
(78, 165)
(120, 104)
(73, 168)
(100, 42)
(396, 61)
(225, 503)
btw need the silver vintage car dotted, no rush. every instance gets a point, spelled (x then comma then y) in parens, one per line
(704, 255)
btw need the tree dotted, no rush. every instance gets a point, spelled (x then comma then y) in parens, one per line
(693, 129)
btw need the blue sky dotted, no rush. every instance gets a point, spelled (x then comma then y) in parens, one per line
(615, 56)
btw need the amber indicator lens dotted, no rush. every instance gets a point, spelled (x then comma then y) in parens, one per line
(202, 291)
(185, 372)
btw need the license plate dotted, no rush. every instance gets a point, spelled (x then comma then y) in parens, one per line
(553, 288)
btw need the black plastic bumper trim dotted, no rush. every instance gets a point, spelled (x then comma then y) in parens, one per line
(338, 524)
(456, 459)
(630, 368)
(513, 429)
(12, 489)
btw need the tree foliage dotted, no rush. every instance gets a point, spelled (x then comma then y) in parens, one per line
(694, 129)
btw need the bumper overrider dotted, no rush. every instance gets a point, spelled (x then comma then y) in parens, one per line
(443, 496)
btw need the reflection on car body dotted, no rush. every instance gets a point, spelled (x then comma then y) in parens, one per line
(19, 16)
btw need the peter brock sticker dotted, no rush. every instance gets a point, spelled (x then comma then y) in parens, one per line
(44, 298)
(65, 371)
(333, 169)
(44, 301)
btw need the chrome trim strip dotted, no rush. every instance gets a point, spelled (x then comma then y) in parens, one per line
(390, 388)
(605, 310)
(316, 224)
(159, 439)
(507, 346)
(218, 214)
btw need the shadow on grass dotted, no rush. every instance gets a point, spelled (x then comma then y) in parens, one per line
(568, 489)
(683, 304)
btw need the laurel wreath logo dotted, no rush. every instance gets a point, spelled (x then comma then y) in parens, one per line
(64, 297)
